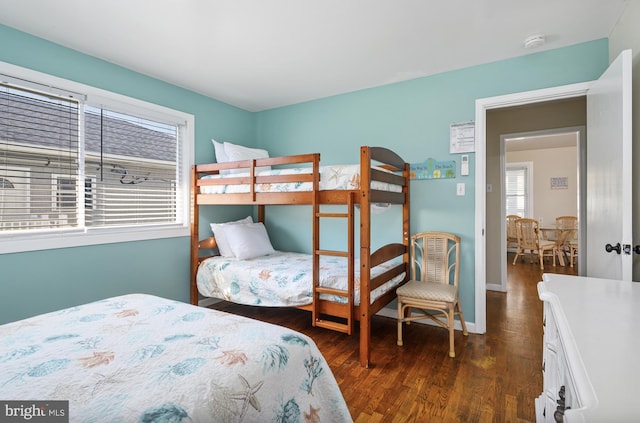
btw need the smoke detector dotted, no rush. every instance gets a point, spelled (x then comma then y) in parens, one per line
(534, 41)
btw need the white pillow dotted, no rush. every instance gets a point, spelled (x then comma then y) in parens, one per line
(249, 240)
(221, 155)
(237, 153)
(218, 230)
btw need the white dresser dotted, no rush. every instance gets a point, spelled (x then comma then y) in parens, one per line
(591, 350)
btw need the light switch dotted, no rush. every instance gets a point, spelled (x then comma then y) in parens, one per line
(460, 189)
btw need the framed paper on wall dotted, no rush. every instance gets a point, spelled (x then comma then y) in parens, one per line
(559, 182)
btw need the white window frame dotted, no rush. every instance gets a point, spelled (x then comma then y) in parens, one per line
(41, 240)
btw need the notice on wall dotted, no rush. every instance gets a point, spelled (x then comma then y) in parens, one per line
(462, 137)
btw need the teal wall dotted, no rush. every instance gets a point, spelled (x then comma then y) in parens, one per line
(413, 119)
(41, 281)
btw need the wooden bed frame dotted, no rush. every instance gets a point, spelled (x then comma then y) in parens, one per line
(331, 315)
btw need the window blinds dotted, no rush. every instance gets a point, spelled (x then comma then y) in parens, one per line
(39, 155)
(130, 169)
(65, 164)
(517, 191)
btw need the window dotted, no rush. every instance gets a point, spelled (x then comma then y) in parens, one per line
(133, 163)
(64, 193)
(89, 184)
(133, 157)
(518, 193)
(14, 190)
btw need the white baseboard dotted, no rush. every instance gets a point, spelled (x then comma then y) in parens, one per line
(495, 287)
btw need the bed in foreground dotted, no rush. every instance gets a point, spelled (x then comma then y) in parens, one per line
(141, 358)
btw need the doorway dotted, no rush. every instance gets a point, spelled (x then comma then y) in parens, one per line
(550, 161)
(609, 164)
(493, 120)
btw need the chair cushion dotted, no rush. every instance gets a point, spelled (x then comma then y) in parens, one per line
(428, 291)
(547, 244)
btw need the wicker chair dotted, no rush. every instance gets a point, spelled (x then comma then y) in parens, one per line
(433, 292)
(530, 239)
(569, 223)
(512, 231)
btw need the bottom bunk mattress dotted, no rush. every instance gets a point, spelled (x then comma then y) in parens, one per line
(140, 358)
(282, 279)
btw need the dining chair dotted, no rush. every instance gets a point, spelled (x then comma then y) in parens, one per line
(569, 223)
(530, 239)
(512, 232)
(433, 290)
(573, 252)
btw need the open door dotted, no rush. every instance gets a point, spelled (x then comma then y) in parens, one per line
(597, 223)
(609, 170)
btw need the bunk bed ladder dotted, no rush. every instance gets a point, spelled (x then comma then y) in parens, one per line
(347, 322)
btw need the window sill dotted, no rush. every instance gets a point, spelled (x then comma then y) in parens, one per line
(16, 243)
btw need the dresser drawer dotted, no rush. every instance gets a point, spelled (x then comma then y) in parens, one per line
(590, 367)
(558, 389)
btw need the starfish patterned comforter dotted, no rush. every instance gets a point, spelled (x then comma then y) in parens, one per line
(339, 177)
(282, 279)
(141, 358)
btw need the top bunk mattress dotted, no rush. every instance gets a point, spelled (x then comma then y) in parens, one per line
(335, 177)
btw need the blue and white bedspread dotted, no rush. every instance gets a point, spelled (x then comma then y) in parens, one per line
(140, 358)
(282, 279)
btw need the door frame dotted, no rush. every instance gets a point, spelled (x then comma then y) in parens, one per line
(580, 134)
(482, 105)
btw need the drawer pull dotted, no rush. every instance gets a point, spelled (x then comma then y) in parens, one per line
(558, 415)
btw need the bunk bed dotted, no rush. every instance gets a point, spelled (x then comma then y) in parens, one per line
(382, 177)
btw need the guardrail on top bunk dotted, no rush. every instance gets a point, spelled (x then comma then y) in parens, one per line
(389, 161)
(252, 180)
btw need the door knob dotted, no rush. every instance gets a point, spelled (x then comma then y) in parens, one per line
(617, 248)
(636, 249)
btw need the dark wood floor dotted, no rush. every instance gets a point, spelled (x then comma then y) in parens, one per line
(493, 378)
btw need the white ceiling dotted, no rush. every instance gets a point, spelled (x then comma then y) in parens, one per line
(262, 54)
(542, 142)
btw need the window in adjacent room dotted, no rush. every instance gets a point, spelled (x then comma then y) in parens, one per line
(518, 197)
